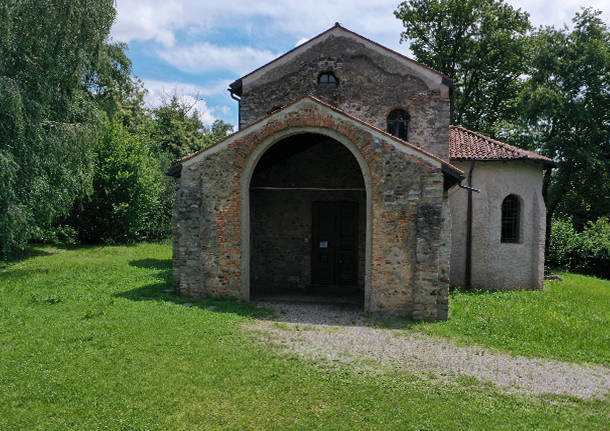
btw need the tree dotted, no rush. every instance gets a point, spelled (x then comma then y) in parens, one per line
(178, 130)
(217, 132)
(108, 79)
(566, 113)
(126, 188)
(175, 131)
(48, 119)
(546, 91)
(480, 44)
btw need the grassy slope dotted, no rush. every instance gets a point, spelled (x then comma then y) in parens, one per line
(89, 341)
(568, 320)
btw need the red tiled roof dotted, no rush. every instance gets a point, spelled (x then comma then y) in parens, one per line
(465, 144)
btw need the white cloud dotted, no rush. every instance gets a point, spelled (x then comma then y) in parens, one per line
(144, 20)
(190, 94)
(203, 57)
(224, 109)
(213, 89)
(157, 19)
(301, 41)
(543, 12)
(166, 38)
(205, 113)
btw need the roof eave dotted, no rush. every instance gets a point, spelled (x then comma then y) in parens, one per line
(451, 176)
(236, 87)
(549, 163)
(174, 171)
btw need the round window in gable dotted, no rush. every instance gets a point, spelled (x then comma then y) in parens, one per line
(328, 80)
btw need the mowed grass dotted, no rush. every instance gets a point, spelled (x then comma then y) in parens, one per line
(89, 340)
(567, 320)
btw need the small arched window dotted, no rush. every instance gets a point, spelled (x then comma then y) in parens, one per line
(398, 123)
(328, 80)
(511, 210)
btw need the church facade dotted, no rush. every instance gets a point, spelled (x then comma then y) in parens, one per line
(341, 182)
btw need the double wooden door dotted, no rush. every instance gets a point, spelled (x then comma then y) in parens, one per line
(334, 243)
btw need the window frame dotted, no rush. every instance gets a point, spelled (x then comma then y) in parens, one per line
(510, 219)
(331, 79)
(398, 127)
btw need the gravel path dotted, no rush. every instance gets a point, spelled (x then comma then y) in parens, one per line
(345, 336)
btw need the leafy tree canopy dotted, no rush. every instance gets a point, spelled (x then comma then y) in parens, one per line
(126, 189)
(544, 90)
(477, 43)
(47, 115)
(132, 198)
(566, 113)
(178, 129)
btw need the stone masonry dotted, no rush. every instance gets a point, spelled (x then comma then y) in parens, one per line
(407, 216)
(371, 84)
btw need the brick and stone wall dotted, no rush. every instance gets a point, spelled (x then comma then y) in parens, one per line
(371, 84)
(406, 214)
(409, 229)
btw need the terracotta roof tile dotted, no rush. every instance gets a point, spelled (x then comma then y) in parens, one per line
(465, 144)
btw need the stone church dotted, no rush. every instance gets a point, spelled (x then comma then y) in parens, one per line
(347, 182)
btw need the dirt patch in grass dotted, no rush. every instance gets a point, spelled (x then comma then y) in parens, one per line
(344, 336)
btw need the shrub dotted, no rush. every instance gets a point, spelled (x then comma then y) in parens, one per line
(126, 188)
(57, 234)
(158, 224)
(562, 244)
(586, 252)
(594, 249)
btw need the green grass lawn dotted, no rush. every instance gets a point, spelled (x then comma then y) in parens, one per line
(88, 340)
(568, 320)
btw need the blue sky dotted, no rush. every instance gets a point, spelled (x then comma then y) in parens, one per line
(195, 48)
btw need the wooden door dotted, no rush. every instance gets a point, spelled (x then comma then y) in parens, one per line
(334, 243)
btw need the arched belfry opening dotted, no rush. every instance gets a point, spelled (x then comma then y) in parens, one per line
(308, 216)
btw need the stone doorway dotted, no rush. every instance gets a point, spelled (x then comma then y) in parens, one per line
(307, 222)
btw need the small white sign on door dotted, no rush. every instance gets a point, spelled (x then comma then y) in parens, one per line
(323, 244)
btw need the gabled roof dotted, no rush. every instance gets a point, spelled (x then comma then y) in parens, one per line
(465, 144)
(447, 168)
(338, 30)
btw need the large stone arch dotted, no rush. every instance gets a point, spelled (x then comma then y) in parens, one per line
(247, 174)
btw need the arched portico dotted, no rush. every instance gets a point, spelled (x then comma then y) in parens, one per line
(334, 193)
(403, 270)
